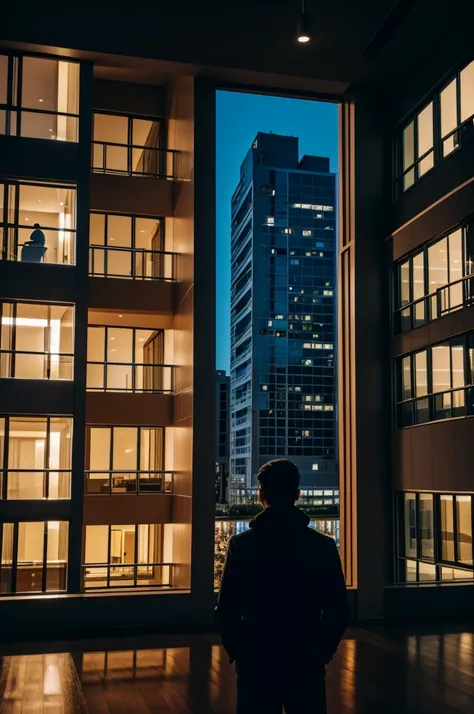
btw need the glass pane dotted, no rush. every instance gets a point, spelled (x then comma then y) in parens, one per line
(404, 283)
(97, 229)
(422, 411)
(119, 262)
(426, 164)
(40, 84)
(456, 574)
(119, 378)
(437, 271)
(449, 119)
(421, 376)
(116, 159)
(425, 129)
(457, 365)
(122, 544)
(408, 146)
(464, 529)
(410, 571)
(119, 345)
(426, 571)
(111, 128)
(119, 231)
(96, 376)
(426, 525)
(57, 555)
(99, 454)
(441, 368)
(408, 179)
(6, 559)
(147, 234)
(2, 444)
(30, 557)
(96, 344)
(419, 287)
(96, 544)
(447, 528)
(27, 457)
(3, 79)
(467, 92)
(406, 378)
(125, 454)
(410, 524)
(455, 269)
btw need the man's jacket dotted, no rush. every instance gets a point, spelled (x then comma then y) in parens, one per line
(282, 588)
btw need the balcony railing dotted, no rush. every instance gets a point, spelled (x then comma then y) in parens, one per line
(123, 377)
(36, 484)
(128, 482)
(136, 264)
(452, 403)
(121, 575)
(446, 299)
(26, 364)
(109, 157)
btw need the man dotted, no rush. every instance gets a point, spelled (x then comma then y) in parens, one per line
(33, 251)
(282, 606)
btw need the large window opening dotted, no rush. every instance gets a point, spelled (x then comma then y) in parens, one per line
(36, 341)
(39, 98)
(123, 359)
(276, 301)
(38, 222)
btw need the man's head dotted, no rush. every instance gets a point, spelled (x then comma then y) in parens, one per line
(278, 482)
(36, 225)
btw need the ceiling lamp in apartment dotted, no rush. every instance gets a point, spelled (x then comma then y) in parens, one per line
(303, 35)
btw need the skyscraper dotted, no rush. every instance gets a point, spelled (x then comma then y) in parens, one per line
(222, 435)
(283, 308)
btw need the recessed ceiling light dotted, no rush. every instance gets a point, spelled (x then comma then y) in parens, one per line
(40, 100)
(39, 200)
(142, 231)
(26, 219)
(303, 34)
(51, 130)
(120, 315)
(62, 203)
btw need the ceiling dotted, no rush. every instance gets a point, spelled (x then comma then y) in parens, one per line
(381, 43)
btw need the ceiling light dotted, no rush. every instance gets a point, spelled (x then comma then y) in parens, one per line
(303, 34)
(120, 315)
(40, 100)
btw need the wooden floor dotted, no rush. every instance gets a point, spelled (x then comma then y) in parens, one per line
(380, 671)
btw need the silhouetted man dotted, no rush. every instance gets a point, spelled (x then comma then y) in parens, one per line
(282, 606)
(34, 250)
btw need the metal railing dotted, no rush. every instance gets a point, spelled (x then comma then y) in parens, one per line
(98, 576)
(126, 377)
(109, 157)
(449, 404)
(128, 482)
(134, 264)
(26, 364)
(448, 298)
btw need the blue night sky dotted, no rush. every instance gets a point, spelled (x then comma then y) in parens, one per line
(239, 118)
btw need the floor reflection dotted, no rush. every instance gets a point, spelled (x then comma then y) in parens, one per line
(378, 670)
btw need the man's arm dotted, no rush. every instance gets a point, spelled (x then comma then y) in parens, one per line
(228, 610)
(335, 610)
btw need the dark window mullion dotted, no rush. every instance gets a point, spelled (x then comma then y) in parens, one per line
(455, 529)
(16, 216)
(14, 574)
(44, 572)
(5, 459)
(13, 338)
(133, 244)
(458, 106)
(418, 526)
(415, 148)
(109, 551)
(129, 147)
(46, 458)
(135, 558)
(19, 95)
(106, 356)
(139, 457)
(437, 141)
(106, 243)
(111, 457)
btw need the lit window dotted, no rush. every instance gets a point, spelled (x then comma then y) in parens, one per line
(308, 362)
(307, 346)
(328, 346)
(328, 408)
(129, 146)
(312, 207)
(255, 144)
(297, 389)
(288, 231)
(264, 387)
(306, 233)
(270, 323)
(315, 467)
(328, 293)
(270, 221)
(317, 407)
(307, 318)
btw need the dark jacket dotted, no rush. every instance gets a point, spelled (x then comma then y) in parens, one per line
(282, 587)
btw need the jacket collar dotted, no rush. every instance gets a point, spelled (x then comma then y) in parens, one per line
(291, 517)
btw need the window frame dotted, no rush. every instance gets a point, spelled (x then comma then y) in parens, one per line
(15, 90)
(14, 563)
(7, 226)
(462, 134)
(437, 559)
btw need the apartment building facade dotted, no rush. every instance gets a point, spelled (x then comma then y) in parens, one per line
(283, 317)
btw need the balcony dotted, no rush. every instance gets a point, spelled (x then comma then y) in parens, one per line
(134, 160)
(128, 482)
(122, 377)
(98, 576)
(137, 264)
